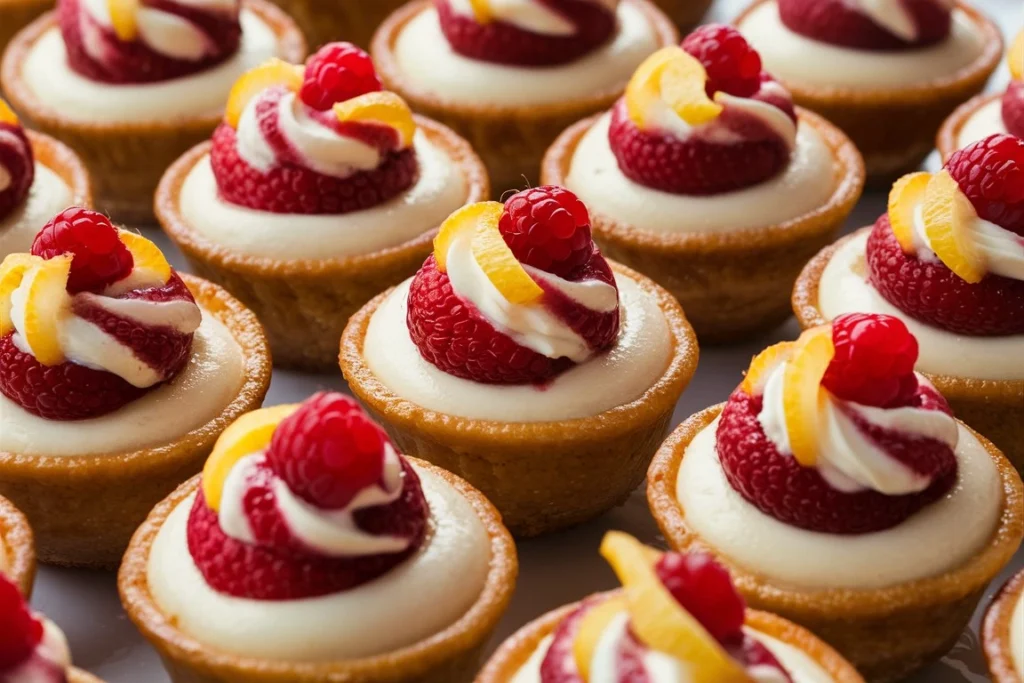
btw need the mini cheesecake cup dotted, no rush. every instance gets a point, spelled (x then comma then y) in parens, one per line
(511, 140)
(894, 128)
(17, 548)
(517, 650)
(542, 476)
(887, 633)
(993, 407)
(304, 304)
(996, 629)
(17, 14)
(449, 656)
(731, 283)
(949, 135)
(323, 21)
(126, 158)
(84, 509)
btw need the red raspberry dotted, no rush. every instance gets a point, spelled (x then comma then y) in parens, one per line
(559, 664)
(548, 228)
(839, 22)
(336, 73)
(503, 43)
(779, 486)
(704, 589)
(134, 61)
(1013, 108)
(751, 653)
(100, 258)
(932, 293)
(991, 173)
(20, 631)
(18, 164)
(328, 451)
(733, 66)
(874, 360)
(697, 166)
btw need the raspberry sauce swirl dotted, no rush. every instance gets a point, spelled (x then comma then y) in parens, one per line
(889, 25)
(119, 42)
(17, 162)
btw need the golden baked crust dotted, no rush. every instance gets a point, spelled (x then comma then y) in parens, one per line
(17, 14)
(542, 476)
(304, 304)
(995, 631)
(84, 509)
(449, 656)
(17, 547)
(946, 141)
(126, 159)
(60, 159)
(887, 633)
(518, 648)
(993, 407)
(510, 140)
(894, 128)
(323, 21)
(731, 283)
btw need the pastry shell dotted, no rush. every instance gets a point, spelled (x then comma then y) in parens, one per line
(510, 140)
(894, 128)
(84, 509)
(449, 656)
(993, 407)
(542, 476)
(126, 159)
(305, 303)
(17, 14)
(887, 633)
(947, 140)
(323, 21)
(17, 547)
(732, 283)
(513, 654)
(996, 629)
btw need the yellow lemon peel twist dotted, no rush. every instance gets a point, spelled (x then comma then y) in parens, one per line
(673, 75)
(803, 395)
(274, 72)
(906, 195)
(384, 108)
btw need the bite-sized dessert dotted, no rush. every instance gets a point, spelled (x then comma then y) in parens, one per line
(324, 21)
(312, 530)
(844, 495)
(677, 618)
(32, 648)
(887, 73)
(704, 177)
(17, 14)
(117, 374)
(318, 191)
(948, 260)
(17, 547)
(511, 75)
(38, 177)
(131, 85)
(987, 115)
(1003, 633)
(523, 361)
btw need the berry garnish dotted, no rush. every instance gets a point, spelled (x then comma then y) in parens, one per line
(548, 228)
(20, 632)
(336, 73)
(100, 258)
(704, 589)
(990, 173)
(874, 360)
(17, 162)
(840, 22)
(733, 66)
(328, 451)
(1013, 108)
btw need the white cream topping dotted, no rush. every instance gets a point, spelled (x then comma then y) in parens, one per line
(529, 15)
(894, 17)
(939, 538)
(77, 98)
(422, 596)
(844, 288)
(163, 32)
(207, 384)
(426, 58)
(48, 664)
(48, 196)
(440, 190)
(635, 362)
(805, 62)
(806, 183)
(986, 120)
(1017, 636)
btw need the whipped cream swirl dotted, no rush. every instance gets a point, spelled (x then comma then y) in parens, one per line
(895, 17)
(50, 662)
(534, 16)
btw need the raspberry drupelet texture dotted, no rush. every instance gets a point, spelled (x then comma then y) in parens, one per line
(704, 589)
(990, 173)
(874, 361)
(20, 631)
(336, 73)
(17, 165)
(548, 228)
(101, 259)
(733, 66)
(840, 22)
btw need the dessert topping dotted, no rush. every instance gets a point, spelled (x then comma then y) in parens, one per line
(870, 24)
(92, 319)
(1013, 99)
(32, 650)
(17, 163)
(147, 41)
(527, 32)
(839, 417)
(323, 139)
(514, 294)
(304, 500)
(703, 118)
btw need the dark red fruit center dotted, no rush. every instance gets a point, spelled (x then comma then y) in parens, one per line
(548, 228)
(990, 173)
(100, 258)
(704, 589)
(20, 632)
(733, 66)
(874, 361)
(336, 73)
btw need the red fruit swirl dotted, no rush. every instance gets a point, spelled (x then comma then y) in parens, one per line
(874, 361)
(20, 631)
(17, 168)
(1013, 108)
(843, 23)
